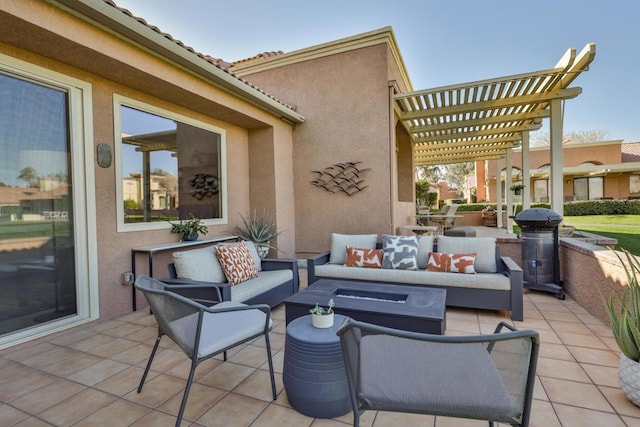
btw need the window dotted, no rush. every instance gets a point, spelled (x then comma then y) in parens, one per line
(634, 183)
(588, 188)
(169, 167)
(541, 190)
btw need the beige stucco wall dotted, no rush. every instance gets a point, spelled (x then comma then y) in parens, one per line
(38, 33)
(345, 98)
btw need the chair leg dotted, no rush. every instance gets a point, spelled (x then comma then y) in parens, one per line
(146, 370)
(270, 360)
(185, 396)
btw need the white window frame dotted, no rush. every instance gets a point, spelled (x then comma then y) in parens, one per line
(118, 102)
(83, 188)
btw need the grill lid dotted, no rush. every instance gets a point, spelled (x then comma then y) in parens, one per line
(538, 219)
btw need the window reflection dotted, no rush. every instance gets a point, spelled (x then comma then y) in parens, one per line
(169, 169)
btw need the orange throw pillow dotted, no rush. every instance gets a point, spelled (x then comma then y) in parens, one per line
(360, 257)
(236, 262)
(452, 263)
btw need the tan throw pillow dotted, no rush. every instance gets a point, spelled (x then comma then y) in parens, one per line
(360, 257)
(452, 263)
(237, 262)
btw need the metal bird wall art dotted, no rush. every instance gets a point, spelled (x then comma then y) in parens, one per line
(341, 178)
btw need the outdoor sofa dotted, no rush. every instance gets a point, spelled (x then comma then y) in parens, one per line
(495, 284)
(198, 274)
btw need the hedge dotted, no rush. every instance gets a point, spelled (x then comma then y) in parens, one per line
(578, 208)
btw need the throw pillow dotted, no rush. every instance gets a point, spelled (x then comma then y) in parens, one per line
(360, 257)
(453, 263)
(237, 262)
(199, 264)
(400, 252)
(253, 250)
(339, 243)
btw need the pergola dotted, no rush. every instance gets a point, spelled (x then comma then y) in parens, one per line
(485, 120)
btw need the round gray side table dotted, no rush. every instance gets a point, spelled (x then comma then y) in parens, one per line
(314, 376)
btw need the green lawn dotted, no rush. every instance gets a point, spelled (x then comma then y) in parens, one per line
(625, 228)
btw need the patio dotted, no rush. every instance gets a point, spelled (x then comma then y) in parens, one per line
(88, 376)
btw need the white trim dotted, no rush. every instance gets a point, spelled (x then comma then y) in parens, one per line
(118, 101)
(83, 185)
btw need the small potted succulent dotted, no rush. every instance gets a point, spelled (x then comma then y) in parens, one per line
(189, 228)
(322, 317)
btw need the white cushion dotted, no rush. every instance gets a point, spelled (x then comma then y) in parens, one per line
(425, 245)
(339, 243)
(484, 247)
(496, 281)
(265, 281)
(199, 264)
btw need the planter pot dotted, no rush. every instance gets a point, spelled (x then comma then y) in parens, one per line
(517, 192)
(629, 379)
(322, 320)
(186, 237)
(263, 249)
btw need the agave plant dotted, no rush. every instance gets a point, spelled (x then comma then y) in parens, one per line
(625, 321)
(258, 229)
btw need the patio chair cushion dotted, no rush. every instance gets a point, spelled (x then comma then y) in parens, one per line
(452, 380)
(454, 263)
(339, 243)
(199, 264)
(360, 257)
(484, 247)
(400, 252)
(425, 245)
(237, 262)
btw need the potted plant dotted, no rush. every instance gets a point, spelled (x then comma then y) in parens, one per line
(322, 317)
(517, 189)
(189, 228)
(623, 309)
(259, 230)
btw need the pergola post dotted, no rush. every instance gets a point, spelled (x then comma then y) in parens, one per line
(555, 176)
(526, 172)
(498, 193)
(508, 180)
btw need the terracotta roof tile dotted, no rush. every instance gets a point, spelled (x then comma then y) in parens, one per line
(630, 152)
(260, 56)
(220, 63)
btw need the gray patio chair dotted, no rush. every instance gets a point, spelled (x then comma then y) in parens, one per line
(485, 377)
(203, 332)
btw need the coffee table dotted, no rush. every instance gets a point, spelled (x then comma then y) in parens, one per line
(410, 308)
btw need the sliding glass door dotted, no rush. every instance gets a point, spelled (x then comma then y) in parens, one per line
(37, 251)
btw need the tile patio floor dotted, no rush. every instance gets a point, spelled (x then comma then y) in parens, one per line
(88, 376)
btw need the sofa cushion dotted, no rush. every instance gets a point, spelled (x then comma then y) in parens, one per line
(265, 281)
(495, 281)
(425, 245)
(199, 264)
(237, 262)
(400, 252)
(359, 257)
(453, 263)
(339, 243)
(484, 247)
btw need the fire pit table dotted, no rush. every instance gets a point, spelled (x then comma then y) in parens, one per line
(410, 308)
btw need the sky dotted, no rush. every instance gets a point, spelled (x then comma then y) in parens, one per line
(442, 42)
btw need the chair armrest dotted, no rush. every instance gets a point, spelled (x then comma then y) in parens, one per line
(198, 290)
(515, 274)
(320, 259)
